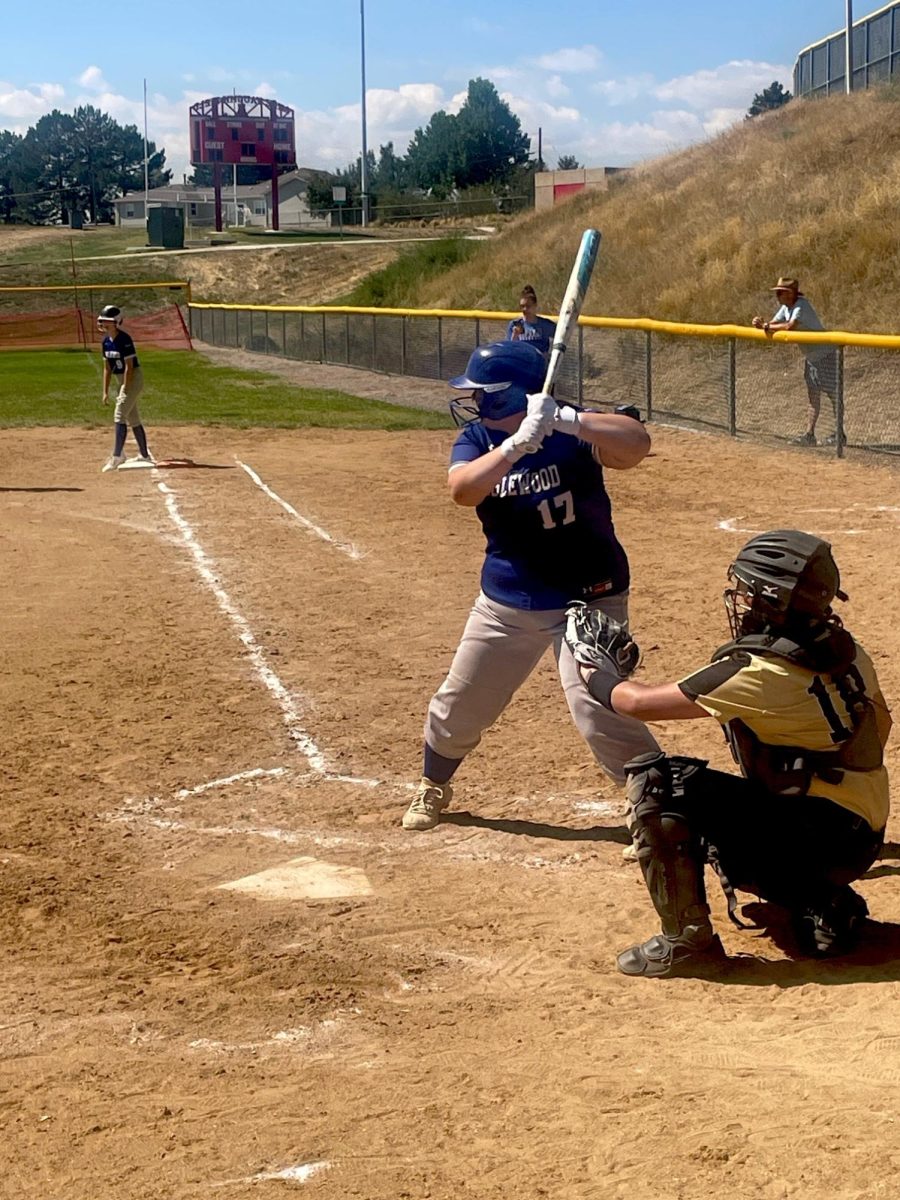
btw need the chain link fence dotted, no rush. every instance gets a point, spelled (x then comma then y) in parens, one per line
(747, 388)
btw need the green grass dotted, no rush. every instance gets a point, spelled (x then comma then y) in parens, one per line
(397, 283)
(63, 387)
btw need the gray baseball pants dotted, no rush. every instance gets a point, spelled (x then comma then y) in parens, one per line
(500, 647)
(126, 401)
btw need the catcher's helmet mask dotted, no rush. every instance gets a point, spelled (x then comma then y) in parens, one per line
(499, 376)
(784, 578)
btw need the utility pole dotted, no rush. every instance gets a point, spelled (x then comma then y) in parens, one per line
(848, 50)
(363, 165)
(146, 169)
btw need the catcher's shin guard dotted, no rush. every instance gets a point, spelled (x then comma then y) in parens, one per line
(671, 860)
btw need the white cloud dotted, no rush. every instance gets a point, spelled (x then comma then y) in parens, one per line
(556, 88)
(92, 78)
(731, 84)
(623, 91)
(265, 90)
(28, 103)
(718, 119)
(570, 60)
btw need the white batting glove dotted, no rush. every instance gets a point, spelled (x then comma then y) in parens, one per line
(542, 403)
(527, 439)
(567, 420)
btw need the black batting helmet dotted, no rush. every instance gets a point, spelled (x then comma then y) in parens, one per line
(110, 313)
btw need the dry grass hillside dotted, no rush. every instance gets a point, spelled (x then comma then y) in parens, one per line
(812, 190)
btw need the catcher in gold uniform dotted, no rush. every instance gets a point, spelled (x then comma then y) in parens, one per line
(807, 723)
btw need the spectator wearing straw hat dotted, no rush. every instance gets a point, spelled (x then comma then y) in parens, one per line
(820, 362)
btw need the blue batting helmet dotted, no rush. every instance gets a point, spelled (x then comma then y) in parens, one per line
(501, 374)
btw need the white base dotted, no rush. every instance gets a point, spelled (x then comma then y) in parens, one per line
(303, 879)
(135, 464)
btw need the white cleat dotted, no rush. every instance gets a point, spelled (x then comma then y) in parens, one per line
(428, 803)
(113, 462)
(629, 854)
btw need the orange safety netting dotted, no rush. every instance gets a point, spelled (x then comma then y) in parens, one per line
(59, 328)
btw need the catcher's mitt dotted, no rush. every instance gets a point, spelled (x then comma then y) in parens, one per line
(596, 640)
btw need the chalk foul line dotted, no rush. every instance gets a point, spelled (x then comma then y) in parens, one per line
(345, 547)
(286, 701)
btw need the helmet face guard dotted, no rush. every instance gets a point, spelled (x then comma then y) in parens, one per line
(499, 375)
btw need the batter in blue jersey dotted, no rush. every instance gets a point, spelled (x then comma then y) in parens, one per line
(533, 472)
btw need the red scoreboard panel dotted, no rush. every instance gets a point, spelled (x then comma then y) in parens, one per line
(246, 130)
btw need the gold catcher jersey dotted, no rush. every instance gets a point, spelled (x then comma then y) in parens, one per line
(785, 704)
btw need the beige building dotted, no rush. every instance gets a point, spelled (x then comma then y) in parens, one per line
(249, 204)
(551, 187)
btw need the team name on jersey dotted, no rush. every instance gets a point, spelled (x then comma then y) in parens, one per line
(527, 483)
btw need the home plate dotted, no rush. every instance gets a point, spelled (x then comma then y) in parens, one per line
(303, 879)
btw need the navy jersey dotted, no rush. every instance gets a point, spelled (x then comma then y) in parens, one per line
(548, 524)
(539, 332)
(117, 349)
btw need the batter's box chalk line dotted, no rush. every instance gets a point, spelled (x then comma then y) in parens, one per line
(347, 548)
(850, 512)
(299, 1174)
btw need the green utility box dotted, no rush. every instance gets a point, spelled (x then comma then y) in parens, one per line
(165, 227)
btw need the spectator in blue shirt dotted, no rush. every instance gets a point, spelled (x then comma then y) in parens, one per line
(530, 327)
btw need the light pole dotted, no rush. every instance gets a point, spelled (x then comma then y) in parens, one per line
(848, 49)
(363, 166)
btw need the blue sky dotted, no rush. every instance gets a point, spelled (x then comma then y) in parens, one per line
(611, 83)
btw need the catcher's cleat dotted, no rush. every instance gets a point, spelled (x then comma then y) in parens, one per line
(833, 928)
(113, 462)
(662, 957)
(630, 854)
(428, 803)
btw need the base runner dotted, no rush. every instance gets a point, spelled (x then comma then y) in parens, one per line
(120, 362)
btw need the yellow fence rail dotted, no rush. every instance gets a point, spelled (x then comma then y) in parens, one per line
(729, 378)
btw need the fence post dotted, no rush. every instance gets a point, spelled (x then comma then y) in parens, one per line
(347, 337)
(440, 349)
(267, 331)
(580, 389)
(477, 331)
(324, 357)
(839, 441)
(237, 329)
(648, 373)
(732, 388)
(284, 352)
(403, 345)
(374, 342)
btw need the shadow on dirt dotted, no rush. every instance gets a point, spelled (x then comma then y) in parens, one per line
(876, 959)
(41, 489)
(557, 833)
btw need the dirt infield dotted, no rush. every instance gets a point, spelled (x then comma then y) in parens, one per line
(200, 685)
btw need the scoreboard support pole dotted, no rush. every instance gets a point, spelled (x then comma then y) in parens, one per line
(217, 189)
(274, 195)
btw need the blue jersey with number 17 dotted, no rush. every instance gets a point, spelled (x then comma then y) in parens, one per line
(548, 524)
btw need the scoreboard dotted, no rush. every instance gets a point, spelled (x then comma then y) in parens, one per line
(243, 131)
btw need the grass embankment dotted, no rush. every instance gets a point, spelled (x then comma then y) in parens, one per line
(812, 190)
(63, 387)
(396, 285)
